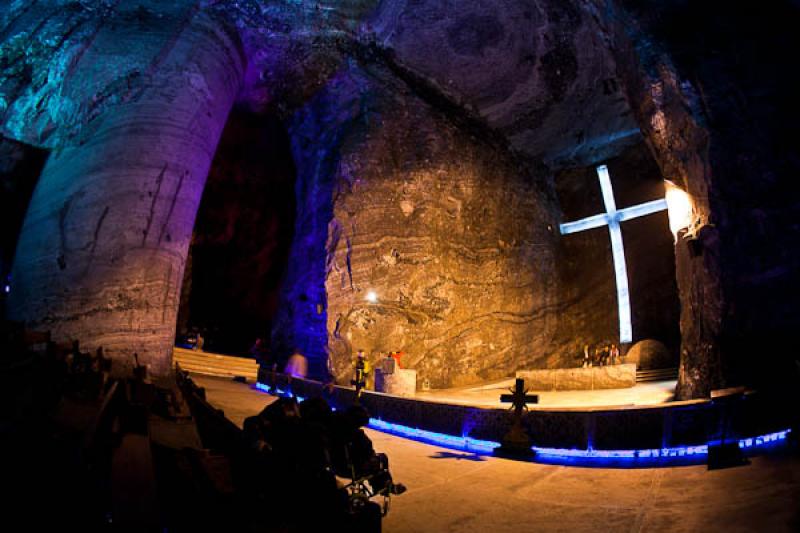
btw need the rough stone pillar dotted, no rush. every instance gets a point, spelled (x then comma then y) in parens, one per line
(717, 116)
(104, 243)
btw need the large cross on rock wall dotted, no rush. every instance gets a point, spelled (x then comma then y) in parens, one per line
(716, 100)
(131, 100)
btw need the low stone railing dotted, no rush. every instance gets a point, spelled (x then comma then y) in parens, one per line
(589, 378)
(685, 423)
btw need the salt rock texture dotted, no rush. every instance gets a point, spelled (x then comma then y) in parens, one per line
(130, 99)
(538, 72)
(588, 292)
(649, 354)
(707, 85)
(453, 236)
(101, 253)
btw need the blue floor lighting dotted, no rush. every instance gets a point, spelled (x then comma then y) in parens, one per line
(591, 457)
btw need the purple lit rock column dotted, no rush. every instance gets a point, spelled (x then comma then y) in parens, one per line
(102, 251)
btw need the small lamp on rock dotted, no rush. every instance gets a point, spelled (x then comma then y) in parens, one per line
(679, 208)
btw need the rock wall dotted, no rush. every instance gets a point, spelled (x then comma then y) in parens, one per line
(452, 236)
(588, 285)
(709, 85)
(538, 72)
(399, 153)
(103, 245)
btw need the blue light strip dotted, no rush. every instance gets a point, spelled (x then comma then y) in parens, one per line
(464, 443)
(564, 455)
(278, 392)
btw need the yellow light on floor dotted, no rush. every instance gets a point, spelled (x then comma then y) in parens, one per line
(679, 208)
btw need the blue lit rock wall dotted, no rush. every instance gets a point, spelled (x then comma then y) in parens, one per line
(132, 102)
(441, 222)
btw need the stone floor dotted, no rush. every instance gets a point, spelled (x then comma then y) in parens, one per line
(457, 492)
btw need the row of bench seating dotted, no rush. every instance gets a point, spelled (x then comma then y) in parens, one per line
(212, 364)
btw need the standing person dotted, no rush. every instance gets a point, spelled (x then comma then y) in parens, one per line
(397, 356)
(605, 355)
(260, 353)
(587, 361)
(200, 342)
(615, 355)
(362, 371)
(297, 365)
(597, 356)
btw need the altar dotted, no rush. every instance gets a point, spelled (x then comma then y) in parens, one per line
(589, 378)
(391, 379)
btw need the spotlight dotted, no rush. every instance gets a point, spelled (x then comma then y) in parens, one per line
(679, 208)
(7, 289)
(372, 297)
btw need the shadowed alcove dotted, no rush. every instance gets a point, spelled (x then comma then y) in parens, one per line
(241, 236)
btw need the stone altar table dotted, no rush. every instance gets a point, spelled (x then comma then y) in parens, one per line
(391, 379)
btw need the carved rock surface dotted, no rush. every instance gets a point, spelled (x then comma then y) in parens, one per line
(650, 354)
(455, 241)
(102, 249)
(717, 114)
(538, 72)
(113, 84)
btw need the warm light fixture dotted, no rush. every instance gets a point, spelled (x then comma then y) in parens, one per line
(372, 297)
(679, 208)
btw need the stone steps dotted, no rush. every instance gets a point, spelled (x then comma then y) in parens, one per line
(212, 364)
(659, 374)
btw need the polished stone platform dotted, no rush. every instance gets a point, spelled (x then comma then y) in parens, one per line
(590, 378)
(488, 395)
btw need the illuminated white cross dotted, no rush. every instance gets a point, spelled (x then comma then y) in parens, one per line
(611, 218)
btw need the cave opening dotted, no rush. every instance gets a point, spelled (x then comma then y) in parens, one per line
(241, 238)
(20, 167)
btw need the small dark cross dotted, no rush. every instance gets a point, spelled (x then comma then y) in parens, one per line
(517, 443)
(519, 398)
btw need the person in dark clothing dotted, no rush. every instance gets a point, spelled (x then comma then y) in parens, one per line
(260, 353)
(354, 457)
(306, 446)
